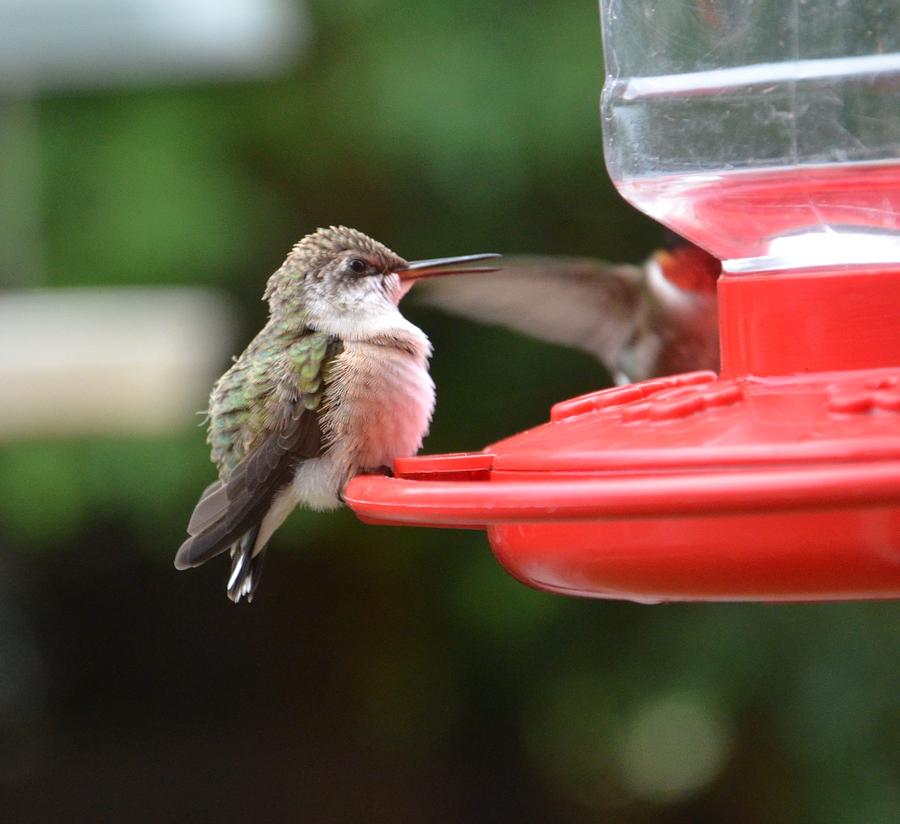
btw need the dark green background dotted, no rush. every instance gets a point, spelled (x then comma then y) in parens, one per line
(383, 674)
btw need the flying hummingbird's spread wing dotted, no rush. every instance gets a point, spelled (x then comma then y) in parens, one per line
(580, 302)
(258, 451)
(629, 317)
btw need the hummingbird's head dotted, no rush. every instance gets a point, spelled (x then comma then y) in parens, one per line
(339, 269)
(338, 274)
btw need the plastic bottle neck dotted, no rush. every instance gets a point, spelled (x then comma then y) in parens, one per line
(823, 320)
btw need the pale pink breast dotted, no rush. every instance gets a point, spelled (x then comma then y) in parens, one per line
(379, 406)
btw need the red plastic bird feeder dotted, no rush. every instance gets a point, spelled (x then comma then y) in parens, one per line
(774, 143)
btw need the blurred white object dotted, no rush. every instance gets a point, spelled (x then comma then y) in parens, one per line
(66, 44)
(674, 747)
(108, 361)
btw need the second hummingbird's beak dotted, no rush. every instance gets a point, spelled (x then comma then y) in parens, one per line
(446, 266)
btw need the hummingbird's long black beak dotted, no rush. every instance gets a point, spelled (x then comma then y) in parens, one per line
(446, 266)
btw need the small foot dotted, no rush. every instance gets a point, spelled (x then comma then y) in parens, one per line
(382, 470)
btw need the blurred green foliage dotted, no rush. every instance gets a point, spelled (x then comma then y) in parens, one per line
(445, 128)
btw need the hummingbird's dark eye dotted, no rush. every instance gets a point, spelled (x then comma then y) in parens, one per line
(357, 266)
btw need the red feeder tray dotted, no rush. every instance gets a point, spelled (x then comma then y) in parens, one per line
(778, 481)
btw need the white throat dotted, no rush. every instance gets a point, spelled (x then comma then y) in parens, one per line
(365, 321)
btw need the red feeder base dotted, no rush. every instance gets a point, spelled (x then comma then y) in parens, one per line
(779, 481)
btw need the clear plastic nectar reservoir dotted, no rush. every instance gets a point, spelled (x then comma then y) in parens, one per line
(766, 132)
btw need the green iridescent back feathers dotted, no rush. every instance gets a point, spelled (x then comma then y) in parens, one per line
(284, 364)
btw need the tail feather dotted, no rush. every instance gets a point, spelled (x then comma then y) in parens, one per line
(246, 567)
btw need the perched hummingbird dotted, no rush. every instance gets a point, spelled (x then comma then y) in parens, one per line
(643, 321)
(335, 384)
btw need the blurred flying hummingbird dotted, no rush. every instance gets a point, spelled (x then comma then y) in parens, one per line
(335, 384)
(657, 318)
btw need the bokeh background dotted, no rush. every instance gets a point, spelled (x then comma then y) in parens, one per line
(150, 184)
